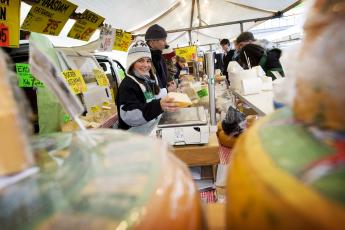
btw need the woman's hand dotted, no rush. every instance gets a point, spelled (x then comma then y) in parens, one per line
(168, 105)
(172, 86)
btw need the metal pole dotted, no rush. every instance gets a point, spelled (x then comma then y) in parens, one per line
(241, 27)
(209, 57)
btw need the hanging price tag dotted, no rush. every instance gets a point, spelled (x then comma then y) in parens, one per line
(101, 77)
(75, 80)
(25, 78)
(4, 35)
(188, 52)
(95, 109)
(106, 103)
(107, 38)
(84, 27)
(9, 23)
(202, 93)
(122, 40)
(48, 17)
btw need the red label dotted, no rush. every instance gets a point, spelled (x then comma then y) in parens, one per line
(4, 35)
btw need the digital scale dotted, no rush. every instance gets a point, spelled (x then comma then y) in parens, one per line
(186, 126)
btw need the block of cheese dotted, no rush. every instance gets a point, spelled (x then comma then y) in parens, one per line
(15, 155)
(182, 100)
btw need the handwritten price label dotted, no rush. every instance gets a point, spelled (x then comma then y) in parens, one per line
(52, 26)
(4, 35)
(101, 77)
(75, 80)
(95, 109)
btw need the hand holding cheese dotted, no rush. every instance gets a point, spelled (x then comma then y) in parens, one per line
(168, 104)
(180, 99)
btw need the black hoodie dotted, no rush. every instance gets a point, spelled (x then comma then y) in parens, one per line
(160, 66)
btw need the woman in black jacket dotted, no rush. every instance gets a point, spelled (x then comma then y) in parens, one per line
(137, 100)
(267, 59)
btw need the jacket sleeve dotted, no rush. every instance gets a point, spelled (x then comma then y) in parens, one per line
(133, 111)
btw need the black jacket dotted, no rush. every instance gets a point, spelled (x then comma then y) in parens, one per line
(226, 59)
(132, 106)
(160, 67)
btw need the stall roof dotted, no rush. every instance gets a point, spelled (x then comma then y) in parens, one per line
(181, 16)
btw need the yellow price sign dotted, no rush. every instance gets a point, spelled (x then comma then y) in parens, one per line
(48, 16)
(95, 109)
(101, 77)
(106, 103)
(188, 52)
(84, 27)
(9, 23)
(122, 40)
(75, 80)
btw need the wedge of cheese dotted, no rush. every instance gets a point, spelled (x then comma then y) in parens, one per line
(15, 155)
(182, 100)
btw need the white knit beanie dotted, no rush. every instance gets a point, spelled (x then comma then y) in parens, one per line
(139, 49)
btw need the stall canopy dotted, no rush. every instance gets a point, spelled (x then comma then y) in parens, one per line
(188, 21)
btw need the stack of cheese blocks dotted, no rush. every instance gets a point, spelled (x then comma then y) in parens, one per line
(14, 155)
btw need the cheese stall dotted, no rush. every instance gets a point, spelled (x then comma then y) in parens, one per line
(240, 150)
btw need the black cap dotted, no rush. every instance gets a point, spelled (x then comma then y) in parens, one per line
(155, 32)
(245, 37)
(225, 42)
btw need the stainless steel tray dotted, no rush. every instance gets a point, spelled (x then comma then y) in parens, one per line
(184, 117)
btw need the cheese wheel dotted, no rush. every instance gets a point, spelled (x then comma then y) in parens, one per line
(180, 99)
(264, 186)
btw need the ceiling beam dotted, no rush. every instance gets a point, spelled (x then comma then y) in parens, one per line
(223, 24)
(191, 22)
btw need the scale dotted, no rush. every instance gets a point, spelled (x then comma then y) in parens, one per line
(184, 127)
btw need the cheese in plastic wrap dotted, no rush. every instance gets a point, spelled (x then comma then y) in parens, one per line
(123, 181)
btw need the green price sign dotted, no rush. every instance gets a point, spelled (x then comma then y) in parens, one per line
(25, 78)
(202, 93)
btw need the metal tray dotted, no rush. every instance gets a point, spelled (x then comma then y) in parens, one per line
(184, 117)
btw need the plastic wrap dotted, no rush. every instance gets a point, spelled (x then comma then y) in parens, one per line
(124, 181)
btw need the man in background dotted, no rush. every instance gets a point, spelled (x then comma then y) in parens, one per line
(155, 37)
(227, 57)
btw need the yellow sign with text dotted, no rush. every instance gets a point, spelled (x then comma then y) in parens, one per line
(48, 16)
(9, 23)
(75, 80)
(95, 109)
(84, 27)
(188, 52)
(122, 40)
(101, 77)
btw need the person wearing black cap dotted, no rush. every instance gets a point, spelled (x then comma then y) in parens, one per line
(244, 39)
(155, 37)
(227, 57)
(267, 59)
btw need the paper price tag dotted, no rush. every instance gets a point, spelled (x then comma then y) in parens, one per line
(106, 103)
(189, 52)
(48, 17)
(202, 93)
(84, 27)
(95, 109)
(122, 40)
(25, 78)
(4, 35)
(9, 23)
(101, 77)
(75, 80)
